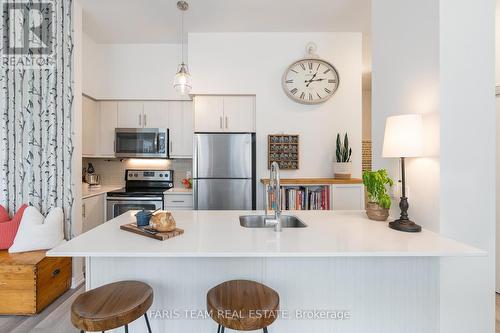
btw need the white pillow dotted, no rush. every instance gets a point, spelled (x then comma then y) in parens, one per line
(38, 233)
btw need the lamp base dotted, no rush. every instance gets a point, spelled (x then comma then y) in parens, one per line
(405, 225)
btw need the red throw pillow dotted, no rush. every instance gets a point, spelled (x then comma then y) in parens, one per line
(8, 228)
(4, 215)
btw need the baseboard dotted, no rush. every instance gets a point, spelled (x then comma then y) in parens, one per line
(77, 281)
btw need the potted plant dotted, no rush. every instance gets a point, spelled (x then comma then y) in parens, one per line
(343, 165)
(379, 200)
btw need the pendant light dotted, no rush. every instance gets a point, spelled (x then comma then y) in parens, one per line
(182, 80)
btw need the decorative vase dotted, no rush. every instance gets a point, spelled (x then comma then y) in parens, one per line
(376, 213)
(342, 170)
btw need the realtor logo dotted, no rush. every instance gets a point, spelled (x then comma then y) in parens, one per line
(27, 28)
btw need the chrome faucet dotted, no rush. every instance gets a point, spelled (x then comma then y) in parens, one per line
(274, 187)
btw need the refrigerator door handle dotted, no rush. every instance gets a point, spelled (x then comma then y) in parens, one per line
(195, 194)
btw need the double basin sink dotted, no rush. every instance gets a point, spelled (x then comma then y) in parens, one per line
(259, 221)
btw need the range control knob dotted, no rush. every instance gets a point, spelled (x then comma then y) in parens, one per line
(136, 175)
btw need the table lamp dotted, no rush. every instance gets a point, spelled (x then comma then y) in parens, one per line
(403, 138)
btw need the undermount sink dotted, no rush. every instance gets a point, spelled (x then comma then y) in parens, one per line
(259, 221)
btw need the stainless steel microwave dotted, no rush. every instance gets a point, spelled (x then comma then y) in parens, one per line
(141, 142)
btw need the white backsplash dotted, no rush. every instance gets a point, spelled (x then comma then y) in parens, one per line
(112, 172)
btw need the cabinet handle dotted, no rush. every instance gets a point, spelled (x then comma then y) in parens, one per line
(171, 146)
(83, 211)
(226, 122)
(56, 272)
(140, 120)
(178, 201)
(220, 122)
(145, 121)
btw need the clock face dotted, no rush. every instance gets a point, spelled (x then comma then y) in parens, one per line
(310, 81)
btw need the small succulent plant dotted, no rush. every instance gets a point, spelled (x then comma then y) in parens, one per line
(343, 151)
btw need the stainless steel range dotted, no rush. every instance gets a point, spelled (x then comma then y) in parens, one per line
(143, 190)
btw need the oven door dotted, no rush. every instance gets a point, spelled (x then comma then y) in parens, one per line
(141, 142)
(118, 206)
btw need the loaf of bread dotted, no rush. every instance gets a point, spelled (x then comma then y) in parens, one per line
(162, 221)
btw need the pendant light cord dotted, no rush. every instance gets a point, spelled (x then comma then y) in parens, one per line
(182, 37)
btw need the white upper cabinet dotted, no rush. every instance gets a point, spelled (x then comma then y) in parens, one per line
(130, 114)
(108, 123)
(181, 129)
(224, 113)
(90, 127)
(209, 113)
(155, 114)
(239, 113)
(101, 118)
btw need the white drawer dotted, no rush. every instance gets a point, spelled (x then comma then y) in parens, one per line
(178, 200)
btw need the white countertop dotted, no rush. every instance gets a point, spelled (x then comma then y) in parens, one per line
(90, 191)
(179, 190)
(219, 234)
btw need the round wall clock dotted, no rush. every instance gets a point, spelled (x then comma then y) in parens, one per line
(310, 80)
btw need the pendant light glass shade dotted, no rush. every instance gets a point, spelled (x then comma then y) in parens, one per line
(182, 80)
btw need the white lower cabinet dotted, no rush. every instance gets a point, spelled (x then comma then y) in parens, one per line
(93, 212)
(348, 197)
(178, 201)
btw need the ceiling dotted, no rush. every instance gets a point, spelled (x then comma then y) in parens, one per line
(158, 21)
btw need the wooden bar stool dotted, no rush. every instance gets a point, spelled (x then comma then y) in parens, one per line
(243, 305)
(111, 306)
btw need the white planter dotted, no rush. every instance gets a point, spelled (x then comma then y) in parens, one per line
(342, 170)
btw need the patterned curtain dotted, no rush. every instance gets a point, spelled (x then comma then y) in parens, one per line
(36, 106)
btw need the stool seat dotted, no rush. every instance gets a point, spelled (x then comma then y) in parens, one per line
(111, 306)
(243, 305)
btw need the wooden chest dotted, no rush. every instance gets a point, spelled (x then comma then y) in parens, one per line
(30, 281)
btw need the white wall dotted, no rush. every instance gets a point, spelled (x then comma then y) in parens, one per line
(405, 78)
(76, 219)
(421, 50)
(253, 63)
(468, 143)
(130, 71)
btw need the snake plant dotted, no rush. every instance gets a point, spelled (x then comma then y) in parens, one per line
(343, 151)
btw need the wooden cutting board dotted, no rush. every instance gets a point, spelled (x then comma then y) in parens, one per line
(132, 227)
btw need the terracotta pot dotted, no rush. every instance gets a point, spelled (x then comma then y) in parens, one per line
(376, 213)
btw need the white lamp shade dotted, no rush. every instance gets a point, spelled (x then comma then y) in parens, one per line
(403, 136)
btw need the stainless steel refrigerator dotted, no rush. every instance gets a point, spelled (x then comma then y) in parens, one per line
(224, 171)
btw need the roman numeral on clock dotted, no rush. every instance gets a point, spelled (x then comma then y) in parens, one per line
(289, 81)
(327, 90)
(326, 71)
(294, 91)
(331, 81)
(303, 66)
(310, 97)
(302, 95)
(310, 64)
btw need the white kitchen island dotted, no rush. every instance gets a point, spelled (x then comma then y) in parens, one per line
(341, 265)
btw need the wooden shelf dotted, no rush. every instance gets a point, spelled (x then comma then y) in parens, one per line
(314, 181)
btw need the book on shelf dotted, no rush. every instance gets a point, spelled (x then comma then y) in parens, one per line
(302, 198)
